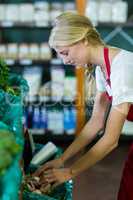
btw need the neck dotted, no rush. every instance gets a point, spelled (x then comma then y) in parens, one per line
(97, 55)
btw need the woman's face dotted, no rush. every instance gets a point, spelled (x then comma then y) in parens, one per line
(76, 54)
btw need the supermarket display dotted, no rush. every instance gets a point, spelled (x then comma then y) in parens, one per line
(39, 13)
(30, 56)
(44, 105)
(21, 51)
(42, 118)
(33, 76)
(8, 149)
(115, 11)
(11, 112)
(34, 190)
(57, 80)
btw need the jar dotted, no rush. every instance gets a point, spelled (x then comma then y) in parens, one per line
(23, 51)
(12, 51)
(45, 52)
(119, 11)
(92, 11)
(34, 51)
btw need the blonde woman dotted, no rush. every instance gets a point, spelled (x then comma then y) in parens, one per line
(77, 42)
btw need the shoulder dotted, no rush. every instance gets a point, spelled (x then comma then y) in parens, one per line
(122, 58)
(121, 77)
(122, 66)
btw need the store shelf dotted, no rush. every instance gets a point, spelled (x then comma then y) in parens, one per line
(113, 25)
(23, 62)
(30, 62)
(37, 32)
(11, 25)
(48, 102)
(49, 136)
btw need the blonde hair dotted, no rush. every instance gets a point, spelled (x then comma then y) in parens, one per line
(70, 28)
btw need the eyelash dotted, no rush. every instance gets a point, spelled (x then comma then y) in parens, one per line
(64, 54)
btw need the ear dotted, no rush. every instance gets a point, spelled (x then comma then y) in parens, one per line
(86, 42)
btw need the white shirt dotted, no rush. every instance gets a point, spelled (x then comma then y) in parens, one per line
(121, 78)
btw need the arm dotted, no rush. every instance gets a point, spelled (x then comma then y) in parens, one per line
(95, 124)
(107, 143)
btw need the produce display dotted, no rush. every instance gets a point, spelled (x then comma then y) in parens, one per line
(13, 88)
(4, 80)
(33, 184)
(8, 149)
(37, 188)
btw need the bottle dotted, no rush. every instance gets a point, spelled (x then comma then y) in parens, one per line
(36, 119)
(58, 122)
(66, 119)
(29, 117)
(70, 120)
(43, 118)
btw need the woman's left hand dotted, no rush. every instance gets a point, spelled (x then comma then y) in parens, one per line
(57, 176)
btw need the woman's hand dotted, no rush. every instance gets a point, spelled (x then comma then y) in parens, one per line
(56, 163)
(56, 176)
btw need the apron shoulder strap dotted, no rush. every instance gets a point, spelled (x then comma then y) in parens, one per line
(107, 64)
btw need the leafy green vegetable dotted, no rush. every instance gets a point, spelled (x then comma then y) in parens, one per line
(4, 74)
(5, 160)
(4, 77)
(8, 149)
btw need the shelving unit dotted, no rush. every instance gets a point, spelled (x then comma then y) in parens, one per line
(80, 71)
(18, 64)
(13, 25)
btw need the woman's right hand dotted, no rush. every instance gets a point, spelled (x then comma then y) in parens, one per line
(56, 163)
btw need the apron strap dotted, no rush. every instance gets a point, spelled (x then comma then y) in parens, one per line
(107, 64)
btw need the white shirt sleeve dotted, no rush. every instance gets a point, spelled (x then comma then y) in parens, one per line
(122, 78)
(99, 80)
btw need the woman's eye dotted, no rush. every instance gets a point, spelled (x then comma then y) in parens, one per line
(64, 53)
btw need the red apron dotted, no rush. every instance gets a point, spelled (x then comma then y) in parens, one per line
(126, 185)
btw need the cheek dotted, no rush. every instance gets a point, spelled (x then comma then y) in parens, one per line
(80, 55)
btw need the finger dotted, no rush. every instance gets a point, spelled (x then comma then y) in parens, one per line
(47, 166)
(38, 172)
(41, 170)
(48, 180)
(49, 176)
(49, 171)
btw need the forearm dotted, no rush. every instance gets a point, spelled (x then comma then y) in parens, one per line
(106, 144)
(96, 153)
(84, 138)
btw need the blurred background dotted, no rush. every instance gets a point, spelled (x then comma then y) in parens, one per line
(61, 97)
